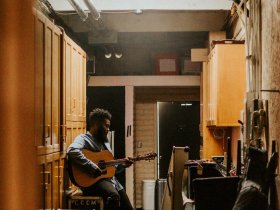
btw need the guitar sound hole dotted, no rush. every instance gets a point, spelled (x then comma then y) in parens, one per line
(102, 165)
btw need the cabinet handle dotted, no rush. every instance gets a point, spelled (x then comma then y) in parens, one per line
(74, 103)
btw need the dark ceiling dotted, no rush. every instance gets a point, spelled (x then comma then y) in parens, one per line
(139, 51)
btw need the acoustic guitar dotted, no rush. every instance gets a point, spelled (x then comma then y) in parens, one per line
(105, 162)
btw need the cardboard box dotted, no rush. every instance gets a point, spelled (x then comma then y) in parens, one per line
(199, 55)
(189, 67)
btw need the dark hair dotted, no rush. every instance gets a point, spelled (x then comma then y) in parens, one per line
(98, 115)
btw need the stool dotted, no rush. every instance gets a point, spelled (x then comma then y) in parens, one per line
(77, 201)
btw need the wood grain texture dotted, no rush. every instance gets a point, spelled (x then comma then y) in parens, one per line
(211, 146)
(271, 68)
(227, 83)
(17, 84)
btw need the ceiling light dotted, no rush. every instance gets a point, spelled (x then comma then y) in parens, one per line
(118, 55)
(186, 104)
(138, 11)
(108, 55)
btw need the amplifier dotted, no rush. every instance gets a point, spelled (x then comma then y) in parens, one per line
(85, 202)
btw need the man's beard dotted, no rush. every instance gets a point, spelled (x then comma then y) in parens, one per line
(101, 134)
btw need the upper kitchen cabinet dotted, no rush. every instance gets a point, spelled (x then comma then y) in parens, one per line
(226, 84)
(74, 73)
(47, 63)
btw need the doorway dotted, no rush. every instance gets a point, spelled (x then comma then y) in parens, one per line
(112, 99)
(178, 125)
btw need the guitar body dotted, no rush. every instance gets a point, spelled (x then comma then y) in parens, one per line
(105, 162)
(82, 179)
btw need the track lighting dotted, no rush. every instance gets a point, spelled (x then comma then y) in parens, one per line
(118, 55)
(112, 50)
(108, 55)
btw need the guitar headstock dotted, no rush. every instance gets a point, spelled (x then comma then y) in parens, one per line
(147, 156)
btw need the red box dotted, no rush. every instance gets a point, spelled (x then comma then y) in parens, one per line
(167, 64)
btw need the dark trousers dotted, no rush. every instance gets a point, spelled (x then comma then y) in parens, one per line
(113, 199)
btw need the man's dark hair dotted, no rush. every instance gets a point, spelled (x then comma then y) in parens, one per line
(98, 115)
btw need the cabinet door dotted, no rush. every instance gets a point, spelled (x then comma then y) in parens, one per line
(67, 70)
(231, 81)
(215, 81)
(74, 65)
(48, 84)
(55, 89)
(84, 85)
(81, 86)
(74, 82)
(39, 82)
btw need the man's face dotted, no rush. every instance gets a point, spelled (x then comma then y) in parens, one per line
(103, 129)
(106, 126)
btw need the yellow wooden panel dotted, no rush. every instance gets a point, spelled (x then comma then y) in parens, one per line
(39, 85)
(224, 91)
(55, 89)
(84, 85)
(75, 74)
(231, 80)
(48, 83)
(67, 66)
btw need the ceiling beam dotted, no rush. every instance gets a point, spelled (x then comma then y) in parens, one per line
(150, 81)
(157, 21)
(121, 5)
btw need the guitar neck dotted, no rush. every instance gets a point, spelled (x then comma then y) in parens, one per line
(115, 162)
(120, 161)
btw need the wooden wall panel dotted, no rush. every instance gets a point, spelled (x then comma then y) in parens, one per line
(271, 68)
(74, 68)
(56, 69)
(19, 170)
(39, 82)
(210, 145)
(48, 84)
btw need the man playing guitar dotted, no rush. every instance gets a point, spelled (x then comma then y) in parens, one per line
(95, 140)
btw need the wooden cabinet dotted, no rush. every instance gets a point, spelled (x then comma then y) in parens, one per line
(226, 84)
(47, 62)
(52, 176)
(224, 88)
(60, 105)
(74, 72)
